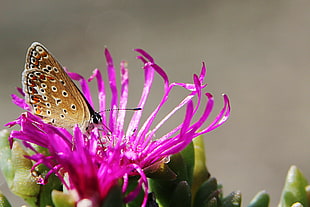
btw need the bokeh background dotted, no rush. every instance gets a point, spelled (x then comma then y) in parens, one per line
(256, 51)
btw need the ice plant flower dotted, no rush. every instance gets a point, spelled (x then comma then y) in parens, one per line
(91, 175)
(95, 161)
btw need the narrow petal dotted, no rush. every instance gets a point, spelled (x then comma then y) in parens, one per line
(147, 124)
(20, 90)
(123, 99)
(203, 72)
(101, 93)
(114, 91)
(196, 90)
(142, 181)
(145, 54)
(163, 74)
(148, 80)
(220, 119)
(173, 145)
(161, 123)
(20, 102)
(205, 114)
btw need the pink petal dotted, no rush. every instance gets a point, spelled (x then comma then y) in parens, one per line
(101, 93)
(20, 102)
(123, 100)
(148, 80)
(220, 119)
(114, 91)
(145, 54)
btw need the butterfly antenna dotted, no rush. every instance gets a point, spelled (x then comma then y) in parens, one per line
(127, 109)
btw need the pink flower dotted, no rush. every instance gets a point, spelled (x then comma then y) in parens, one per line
(96, 161)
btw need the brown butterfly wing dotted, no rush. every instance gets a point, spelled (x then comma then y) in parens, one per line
(50, 92)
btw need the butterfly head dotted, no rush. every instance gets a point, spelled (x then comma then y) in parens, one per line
(95, 121)
(96, 118)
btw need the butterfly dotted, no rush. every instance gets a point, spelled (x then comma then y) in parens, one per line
(51, 93)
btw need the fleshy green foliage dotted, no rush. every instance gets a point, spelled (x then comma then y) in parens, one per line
(294, 189)
(114, 198)
(184, 182)
(261, 199)
(181, 195)
(132, 184)
(4, 201)
(61, 199)
(207, 194)
(201, 173)
(164, 189)
(16, 169)
(232, 200)
(45, 195)
(189, 166)
(182, 164)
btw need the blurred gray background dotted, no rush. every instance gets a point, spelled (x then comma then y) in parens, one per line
(256, 51)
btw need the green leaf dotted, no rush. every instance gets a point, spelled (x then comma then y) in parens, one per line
(213, 202)
(6, 157)
(232, 200)
(114, 197)
(261, 199)
(162, 188)
(178, 165)
(181, 197)
(132, 184)
(45, 198)
(4, 201)
(61, 199)
(201, 173)
(294, 188)
(160, 170)
(206, 193)
(188, 155)
(24, 184)
(151, 200)
(16, 170)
